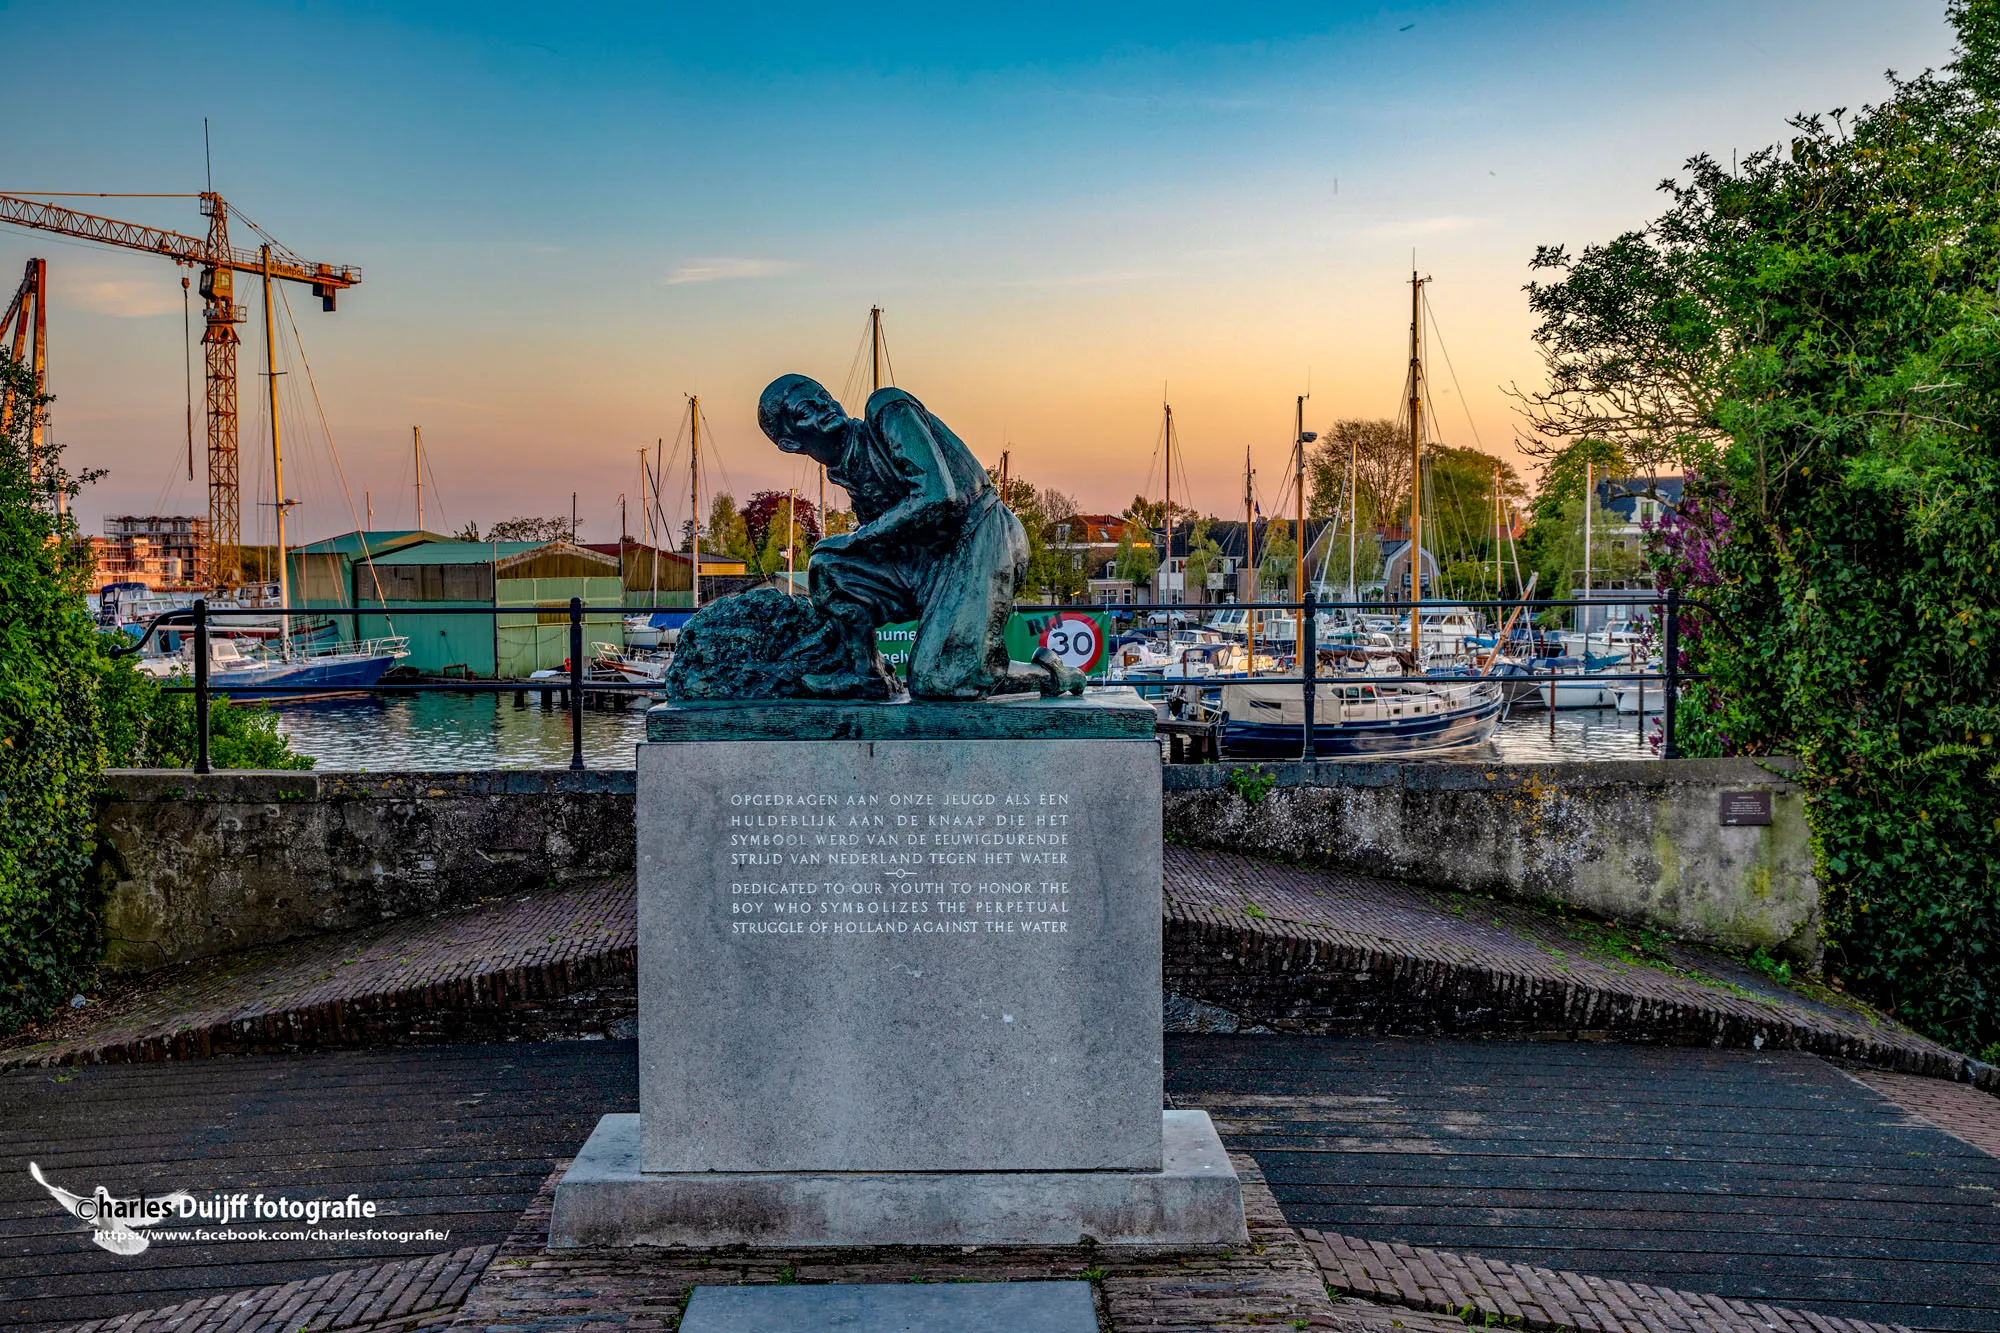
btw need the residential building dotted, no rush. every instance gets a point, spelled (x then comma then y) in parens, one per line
(158, 550)
(1628, 506)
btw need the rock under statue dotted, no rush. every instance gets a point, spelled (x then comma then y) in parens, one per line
(934, 544)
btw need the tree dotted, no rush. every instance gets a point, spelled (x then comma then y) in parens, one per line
(1562, 481)
(1381, 450)
(1281, 556)
(765, 514)
(1634, 336)
(52, 722)
(1152, 514)
(529, 529)
(468, 533)
(1135, 563)
(68, 710)
(1055, 572)
(1817, 333)
(766, 524)
(728, 535)
(839, 520)
(1204, 557)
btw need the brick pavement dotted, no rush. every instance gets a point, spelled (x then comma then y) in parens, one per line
(1272, 1283)
(548, 965)
(1491, 1291)
(1964, 1113)
(1279, 948)
(1249, 944)
(1368, 1287)
(401, 1296)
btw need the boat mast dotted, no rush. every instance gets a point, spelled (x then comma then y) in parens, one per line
(1589, 494)
(875, 341)
(694, 497)
(277, 461)
(1249, 561)
(1299, 524)
(1416, 467)
(1167, 561)
(658, 518)
(791, 536)
(1353, 520)
(417, 457)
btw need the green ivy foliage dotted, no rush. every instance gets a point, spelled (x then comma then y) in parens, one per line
(52, 744)
(1834, 320)
(68, 710)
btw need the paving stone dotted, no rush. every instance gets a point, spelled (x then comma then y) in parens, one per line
(1964, 1112)
(1544, 1298)
(331, 1303)
(1250, 946)
(1270, 1283)
(550, 965)
(1258, 946)
(964, 1307)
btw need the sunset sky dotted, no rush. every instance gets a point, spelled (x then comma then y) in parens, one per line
(568, 222)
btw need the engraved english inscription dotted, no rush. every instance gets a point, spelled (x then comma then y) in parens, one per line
(829, 864)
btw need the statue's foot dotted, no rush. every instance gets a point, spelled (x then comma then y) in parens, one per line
(845, 685)
(1062, 678)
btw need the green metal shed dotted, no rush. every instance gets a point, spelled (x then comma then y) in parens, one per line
(538, 576)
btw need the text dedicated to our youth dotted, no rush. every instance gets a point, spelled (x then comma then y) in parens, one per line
(970, 864)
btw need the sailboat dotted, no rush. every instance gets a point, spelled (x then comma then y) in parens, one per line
(293, 666)
(1356, 712)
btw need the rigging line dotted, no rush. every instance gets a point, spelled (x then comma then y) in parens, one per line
(853, 383)
(423, 452)
(326, 431)
(1456, 387)
(1457, 499)
(276, 247)
(662, 535)
(94, 194)
(187, 370)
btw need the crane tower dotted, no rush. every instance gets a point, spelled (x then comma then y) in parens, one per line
(218, 262)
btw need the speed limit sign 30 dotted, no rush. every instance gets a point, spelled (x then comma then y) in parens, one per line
(1075, 639)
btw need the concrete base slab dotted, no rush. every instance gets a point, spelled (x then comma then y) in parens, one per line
(975, 1307)
(605, 1199)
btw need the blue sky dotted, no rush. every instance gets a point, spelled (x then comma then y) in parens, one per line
(570, 217)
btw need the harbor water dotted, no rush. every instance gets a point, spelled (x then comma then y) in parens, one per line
(452, 732)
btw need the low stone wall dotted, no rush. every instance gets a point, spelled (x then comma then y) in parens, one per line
(208, 865)
(1633, 841)
(225, 861)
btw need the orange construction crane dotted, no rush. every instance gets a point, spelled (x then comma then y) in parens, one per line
(219, 263)
(26, 327)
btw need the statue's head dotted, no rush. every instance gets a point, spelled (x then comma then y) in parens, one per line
(801, 417)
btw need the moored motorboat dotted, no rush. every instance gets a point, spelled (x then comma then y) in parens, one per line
(233, 672)
(1357, 718)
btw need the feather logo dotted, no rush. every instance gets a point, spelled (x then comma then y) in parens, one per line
(117, 1225)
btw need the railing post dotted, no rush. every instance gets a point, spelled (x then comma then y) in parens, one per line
(1308, 640)
(576, 682)
(201, 685)
(1669, 750)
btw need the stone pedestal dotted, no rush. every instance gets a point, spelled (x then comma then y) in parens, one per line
(899, 982)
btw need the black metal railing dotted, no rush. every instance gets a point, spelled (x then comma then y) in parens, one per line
(202, 618)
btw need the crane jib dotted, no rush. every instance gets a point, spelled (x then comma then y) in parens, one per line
(177, 246)
(219, 262)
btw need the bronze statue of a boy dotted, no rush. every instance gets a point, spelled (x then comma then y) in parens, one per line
(934, 544)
